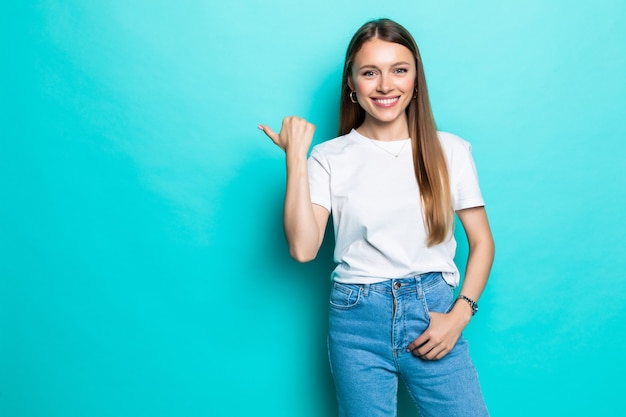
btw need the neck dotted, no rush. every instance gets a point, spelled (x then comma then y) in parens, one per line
(384, 131)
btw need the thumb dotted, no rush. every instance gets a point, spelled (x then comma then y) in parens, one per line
(269, 132)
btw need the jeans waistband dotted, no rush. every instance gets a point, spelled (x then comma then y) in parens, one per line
(402, 284)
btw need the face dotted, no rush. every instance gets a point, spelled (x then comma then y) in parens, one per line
(383, 76)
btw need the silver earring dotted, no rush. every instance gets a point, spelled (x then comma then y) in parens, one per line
(354, 100)
(415, 95)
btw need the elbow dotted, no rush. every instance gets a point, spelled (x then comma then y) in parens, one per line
(302, 256)
(492, 245)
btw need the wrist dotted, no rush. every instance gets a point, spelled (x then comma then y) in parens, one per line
(469, 302)
(461, 313)
(295, 156)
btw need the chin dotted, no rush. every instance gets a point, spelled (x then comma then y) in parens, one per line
(387, 118)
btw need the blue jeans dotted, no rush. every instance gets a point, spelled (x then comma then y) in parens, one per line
(370, 327)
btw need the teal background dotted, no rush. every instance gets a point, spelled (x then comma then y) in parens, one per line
(143, 269)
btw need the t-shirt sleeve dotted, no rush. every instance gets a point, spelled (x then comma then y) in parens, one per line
(319, 179)
(464, 178)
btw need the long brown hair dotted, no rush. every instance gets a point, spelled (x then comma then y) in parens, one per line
(428, 158)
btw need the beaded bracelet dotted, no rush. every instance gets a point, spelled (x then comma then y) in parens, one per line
(473, 304)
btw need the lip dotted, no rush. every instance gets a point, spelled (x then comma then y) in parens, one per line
(385, 102)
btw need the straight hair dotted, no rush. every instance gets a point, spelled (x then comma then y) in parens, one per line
(429, 161)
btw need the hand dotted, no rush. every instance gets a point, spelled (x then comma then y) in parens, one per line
(439, 338)
(296, 135)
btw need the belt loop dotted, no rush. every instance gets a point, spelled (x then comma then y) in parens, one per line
(419, 291)
(366, 289)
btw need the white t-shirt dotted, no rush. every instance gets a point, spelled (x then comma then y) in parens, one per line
(374, 200)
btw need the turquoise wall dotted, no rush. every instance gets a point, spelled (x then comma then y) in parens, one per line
(143, 269)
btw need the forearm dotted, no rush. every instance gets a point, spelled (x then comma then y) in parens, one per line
(301, 228)
(304, 225)
(480, 258)
(477, 272)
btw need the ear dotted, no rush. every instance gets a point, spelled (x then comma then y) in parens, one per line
(349, 79)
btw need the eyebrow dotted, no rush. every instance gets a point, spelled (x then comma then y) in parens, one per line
(375, 67)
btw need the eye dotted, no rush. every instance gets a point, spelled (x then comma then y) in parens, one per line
(368, 73)
(401, 70)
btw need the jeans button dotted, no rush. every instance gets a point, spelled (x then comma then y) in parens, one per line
(397, 285)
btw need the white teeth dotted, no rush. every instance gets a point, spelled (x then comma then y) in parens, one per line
(386, 101)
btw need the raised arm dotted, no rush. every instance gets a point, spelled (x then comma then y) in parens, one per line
(304, 222)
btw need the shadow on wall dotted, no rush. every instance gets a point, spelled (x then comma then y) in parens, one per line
(289, 299)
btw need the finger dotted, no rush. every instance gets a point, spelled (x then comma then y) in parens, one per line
(417, 343)
(426, 351)
(269, 132)
(436, 353)
(422, 350)
(441, 354)
(416, 353)
(298, 124)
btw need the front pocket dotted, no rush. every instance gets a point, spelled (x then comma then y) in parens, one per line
(438, 298)
(345, 296)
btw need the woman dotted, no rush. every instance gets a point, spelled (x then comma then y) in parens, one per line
(392, 183)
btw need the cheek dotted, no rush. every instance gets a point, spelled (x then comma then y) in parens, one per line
(406, 84)
(364, 88)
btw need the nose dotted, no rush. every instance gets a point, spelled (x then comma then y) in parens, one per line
(384, 83)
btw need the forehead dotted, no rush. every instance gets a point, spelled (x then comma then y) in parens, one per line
(379, 52)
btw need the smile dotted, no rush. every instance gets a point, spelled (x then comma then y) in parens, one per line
(386, 102)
